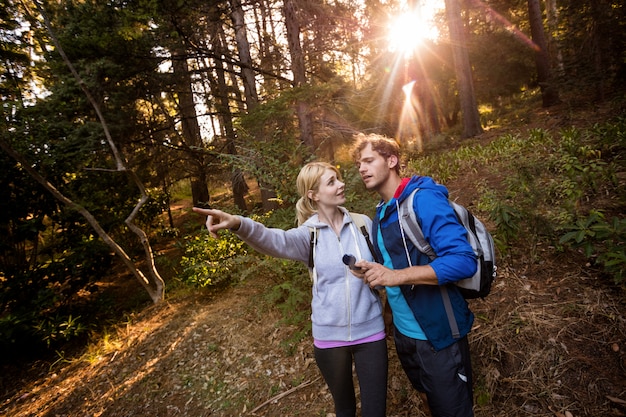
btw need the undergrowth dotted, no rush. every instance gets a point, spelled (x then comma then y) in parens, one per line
(552, 189)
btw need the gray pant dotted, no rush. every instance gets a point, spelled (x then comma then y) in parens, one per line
(445, 376)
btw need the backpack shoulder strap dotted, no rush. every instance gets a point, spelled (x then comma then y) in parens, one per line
(412, 226)
(415, 234)
(359, 221)
(312, 241)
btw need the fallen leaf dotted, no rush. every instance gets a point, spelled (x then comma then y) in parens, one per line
(616, 400)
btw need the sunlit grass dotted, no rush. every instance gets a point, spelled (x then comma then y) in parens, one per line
(104, 344)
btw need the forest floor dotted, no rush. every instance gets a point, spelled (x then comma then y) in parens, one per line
(549, 341)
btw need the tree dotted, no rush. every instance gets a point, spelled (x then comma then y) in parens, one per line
(155, 286)
(250, 93)
(549, 91)
(292, 25)
(189, 122)
(469, 107)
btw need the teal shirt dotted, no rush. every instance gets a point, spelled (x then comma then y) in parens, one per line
(403, 317)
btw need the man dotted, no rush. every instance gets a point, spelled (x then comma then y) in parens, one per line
(437, 364)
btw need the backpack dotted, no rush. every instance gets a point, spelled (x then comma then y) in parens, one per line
(479, 285)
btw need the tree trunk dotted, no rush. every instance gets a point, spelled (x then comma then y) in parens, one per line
(220, 92)
(265, 24)
(463, 70)
(250, 93)
(600, 45)
(549, 92)
(292, 26)
(428, 116)
(190, 127)
(554, 47)
(243, 48)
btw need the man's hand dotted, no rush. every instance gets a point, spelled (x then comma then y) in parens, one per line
(375, 274)
(218, 220)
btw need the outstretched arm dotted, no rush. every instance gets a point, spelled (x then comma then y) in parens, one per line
(218, 220)
(290, 244)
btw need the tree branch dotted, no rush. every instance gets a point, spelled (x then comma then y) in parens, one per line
(158, 292)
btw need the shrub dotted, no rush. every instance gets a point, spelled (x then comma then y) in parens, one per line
(207, 261)
(601, 240)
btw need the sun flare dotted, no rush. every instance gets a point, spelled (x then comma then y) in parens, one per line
(409, 29)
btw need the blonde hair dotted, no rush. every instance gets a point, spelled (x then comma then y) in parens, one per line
(309, 180)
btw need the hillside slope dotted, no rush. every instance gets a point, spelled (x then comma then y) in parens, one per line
(549, 341)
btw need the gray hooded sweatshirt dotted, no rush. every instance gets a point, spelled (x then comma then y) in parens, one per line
(343, 307)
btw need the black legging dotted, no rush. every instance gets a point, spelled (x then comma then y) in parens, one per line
(370, 362)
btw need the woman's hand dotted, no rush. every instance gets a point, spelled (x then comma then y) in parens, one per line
(218, 220)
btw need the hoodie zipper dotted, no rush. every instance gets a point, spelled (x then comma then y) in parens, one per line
(351, 226)
(347, 289)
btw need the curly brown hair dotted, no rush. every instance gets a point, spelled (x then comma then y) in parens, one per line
(385, 146)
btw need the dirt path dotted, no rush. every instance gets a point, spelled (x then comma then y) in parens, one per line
(197, 357)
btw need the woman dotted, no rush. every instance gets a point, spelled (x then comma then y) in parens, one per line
(346, 315)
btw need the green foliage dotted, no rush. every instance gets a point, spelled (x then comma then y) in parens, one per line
(550, 185)
(15, 331)
(281, 218)
(612, 139)
(156, 204)
(275, 164)
(481, 394)
(59, 329)
(558, 182)
(48, 254)
(39, 299)
(208, 261)
(273, 152)
(602, 240)
(292, 297)
(513, 73)
(507, 220)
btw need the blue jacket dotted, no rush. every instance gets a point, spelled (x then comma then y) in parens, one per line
(418, 310)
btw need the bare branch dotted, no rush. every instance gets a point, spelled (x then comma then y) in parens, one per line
(158, 292)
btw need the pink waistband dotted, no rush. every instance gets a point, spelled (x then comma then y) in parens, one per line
(328, 344)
